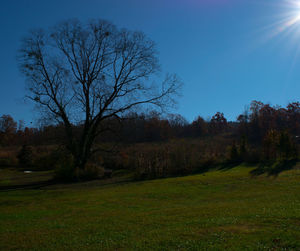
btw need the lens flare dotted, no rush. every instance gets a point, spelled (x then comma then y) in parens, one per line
(284, 29)
(291, 16)
(285, 24)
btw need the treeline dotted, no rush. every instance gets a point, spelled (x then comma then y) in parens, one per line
(158, 146)
(132, 128)
(255, 124)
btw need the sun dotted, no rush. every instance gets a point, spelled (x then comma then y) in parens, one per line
(287, 20)
(294, 12)
(281, 28)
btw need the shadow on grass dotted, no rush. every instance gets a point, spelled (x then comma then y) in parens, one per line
(271, 169)
(225, 166)
(52, 183)
(274, 169)
(34, 185)
(203, 169)
(229, 165)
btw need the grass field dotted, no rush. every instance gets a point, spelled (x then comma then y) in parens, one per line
(224, 209)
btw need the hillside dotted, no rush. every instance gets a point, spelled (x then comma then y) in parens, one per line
(223, 209)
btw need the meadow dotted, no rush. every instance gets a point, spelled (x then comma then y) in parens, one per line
(217, 210)
(106, 163)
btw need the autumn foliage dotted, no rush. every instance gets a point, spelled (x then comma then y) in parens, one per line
(154, 146)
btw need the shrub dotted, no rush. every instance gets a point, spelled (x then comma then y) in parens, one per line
(8, 160)
(286, 147)
(48, 160)
(180, 157)
(90, 172)
(25, 156)
(234, 156)
(157, 161)
(207, 162)
(278, 146)
(64, 170)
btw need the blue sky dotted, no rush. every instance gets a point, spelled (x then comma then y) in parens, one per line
(227, 52)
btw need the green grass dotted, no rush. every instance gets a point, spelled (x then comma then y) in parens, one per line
(16, 177)
(215, 211)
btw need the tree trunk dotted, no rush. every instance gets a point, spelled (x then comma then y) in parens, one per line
(82, 153)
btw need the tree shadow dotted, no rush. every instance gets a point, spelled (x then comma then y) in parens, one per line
(282, 166)
(225, 166)
(274, 169)
(53, 183)
(33, 185)
(229, 165)
(203, 169)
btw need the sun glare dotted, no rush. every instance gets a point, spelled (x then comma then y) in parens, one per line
(281, 30)
(294, 13)
(298, 12)
(286, 22)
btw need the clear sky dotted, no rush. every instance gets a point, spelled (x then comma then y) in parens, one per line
(227, 52)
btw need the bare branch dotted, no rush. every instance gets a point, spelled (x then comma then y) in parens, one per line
(89, 73)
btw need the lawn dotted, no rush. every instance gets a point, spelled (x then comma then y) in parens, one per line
(11, 178)
(222, 209)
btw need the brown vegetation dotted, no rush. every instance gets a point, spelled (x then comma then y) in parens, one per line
(152, 146)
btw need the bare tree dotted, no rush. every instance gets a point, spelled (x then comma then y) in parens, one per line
(88, 73)
(7, 124)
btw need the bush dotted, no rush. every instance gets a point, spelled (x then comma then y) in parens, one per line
(207, 162)
(25, 156)
(181, 160)
(158, 161)
(90, 172)
(48, 160)
(9, 161)
(278, 146)
(64, 170)
(234, 155)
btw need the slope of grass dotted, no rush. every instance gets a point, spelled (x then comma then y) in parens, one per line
(213, 211)
(13, 177)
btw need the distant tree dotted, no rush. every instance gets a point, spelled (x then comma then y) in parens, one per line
(25, 156)
(243, 124)
(8, 129)
(270, 146)
(281, 119)
(286, 147)
(7, 124)
(157, 128)
(88, 73)
(234, 156)
(218, 123)
(199, 127)
(177, 120)
(278, 145)
(178, 125)
(255, 134)
(21, 125)
(243, 148)
(132, 127)
(293, 113)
